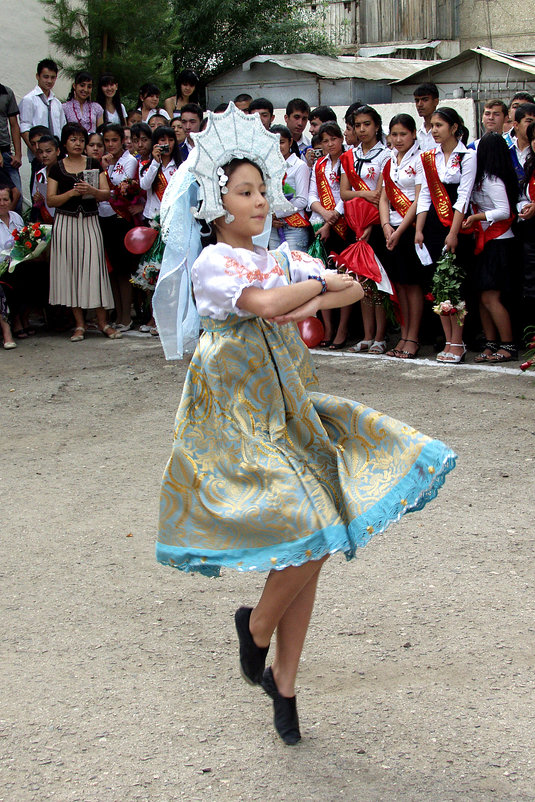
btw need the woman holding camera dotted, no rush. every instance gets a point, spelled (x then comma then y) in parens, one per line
(156, 174)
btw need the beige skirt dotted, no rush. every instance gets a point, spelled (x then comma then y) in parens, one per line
(78, 271)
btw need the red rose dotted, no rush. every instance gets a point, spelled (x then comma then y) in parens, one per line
(37, 234)
(429, 297)
(16, 236)
(526, 365)
(25, 230)
(28, 245)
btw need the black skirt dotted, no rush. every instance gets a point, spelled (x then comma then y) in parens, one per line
(114, 229)
(494, 266)
(402, 264)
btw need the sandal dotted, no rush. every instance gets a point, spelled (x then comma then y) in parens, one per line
(20, 334)
(441, 354)
(77, 338)
(396, 351)
(111, 333)
(378, 347)
(361, 346)
(510, 356)
(410, 354)
(491, 346)
(326, 343)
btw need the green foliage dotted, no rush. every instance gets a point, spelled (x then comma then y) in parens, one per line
(216, 35)
(133, 40)
(152, 40)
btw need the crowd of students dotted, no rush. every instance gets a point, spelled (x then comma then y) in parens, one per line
(384, 204)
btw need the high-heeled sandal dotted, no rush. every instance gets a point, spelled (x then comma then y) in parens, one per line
(410, 354)
(77, 338)
(441, 354)
(510, 356)
(490, 345)
(454, 359)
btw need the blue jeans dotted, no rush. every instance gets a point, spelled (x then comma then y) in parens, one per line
(13, 173)
(298, 239)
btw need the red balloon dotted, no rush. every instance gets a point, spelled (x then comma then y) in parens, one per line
(312, 331)
(140, 239)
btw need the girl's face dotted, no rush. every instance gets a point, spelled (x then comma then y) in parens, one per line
(151, 101)
(533, 145)
(143, 145)
(48, 153)
(366, 130)
(82, 91)
(401, 138)
(350, 135)
(109, 90)
(133, 118)
(178, 128)
(5, 202)
(95, 147)
(75, 145)
(155, 122)
(332, 145)
(186, 90)
(128, 140)
(441, 130)
(113, 143)
(246, 200)
(285, 145)
(169, 141)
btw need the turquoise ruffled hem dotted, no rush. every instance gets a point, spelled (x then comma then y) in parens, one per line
(412, 493)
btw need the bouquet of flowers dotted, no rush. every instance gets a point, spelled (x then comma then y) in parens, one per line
(529, 364)
(28, 243)
(446, 289)
(146, 276)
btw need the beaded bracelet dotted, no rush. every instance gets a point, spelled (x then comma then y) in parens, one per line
(322, 282)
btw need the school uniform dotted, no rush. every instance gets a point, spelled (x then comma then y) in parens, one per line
(37, 109)
(155, 194)
(115, 219)
(494, 262)
(296, 230)
(425, 138)
(402, 264)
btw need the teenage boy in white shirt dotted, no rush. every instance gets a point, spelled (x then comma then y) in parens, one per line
(41, 106)
(426, 100)
(493, 119)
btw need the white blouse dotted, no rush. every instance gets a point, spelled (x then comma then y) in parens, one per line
(152, 206)
(6, 237)
(221, 273)
(460, 169)
(492, 199)
(425, 138)
(404, 176)
(298, 177)
(375, 160)
(40, 183)
(333, 178)
(125, 167)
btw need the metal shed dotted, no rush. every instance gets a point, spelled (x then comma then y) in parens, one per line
(479, 73)
(317, 79)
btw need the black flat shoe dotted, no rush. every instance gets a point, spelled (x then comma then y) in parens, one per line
(285, 716)
(338, 346)
(252, 657)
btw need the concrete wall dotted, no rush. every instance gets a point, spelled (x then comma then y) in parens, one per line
(492, 23)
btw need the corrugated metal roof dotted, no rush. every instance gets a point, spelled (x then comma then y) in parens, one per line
(371, 51)
(487, 52)
(368, 69)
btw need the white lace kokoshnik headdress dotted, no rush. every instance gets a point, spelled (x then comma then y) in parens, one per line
(235, 135)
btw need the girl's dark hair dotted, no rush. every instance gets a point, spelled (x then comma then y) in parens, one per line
(233, 165)
(376, 117)
(73, 128)
(106, 80)
(115, 128)
(494, 161)
(283, 130)
(9, 189)
(331, 129)
(95, 133)
(79, 78)
(529, 166)
(187, 77)
(50, 138)
(406, 120)
(157, 134)
(451, 117)
(145, 91)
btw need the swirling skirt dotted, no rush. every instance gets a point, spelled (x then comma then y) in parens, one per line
(266, 472)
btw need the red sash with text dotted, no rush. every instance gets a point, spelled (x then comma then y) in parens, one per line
(439, 196)
(397, 199)
(326, 196)
(160, 184)
(348, 163)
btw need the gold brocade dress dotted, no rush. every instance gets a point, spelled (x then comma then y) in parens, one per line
(266, 471)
